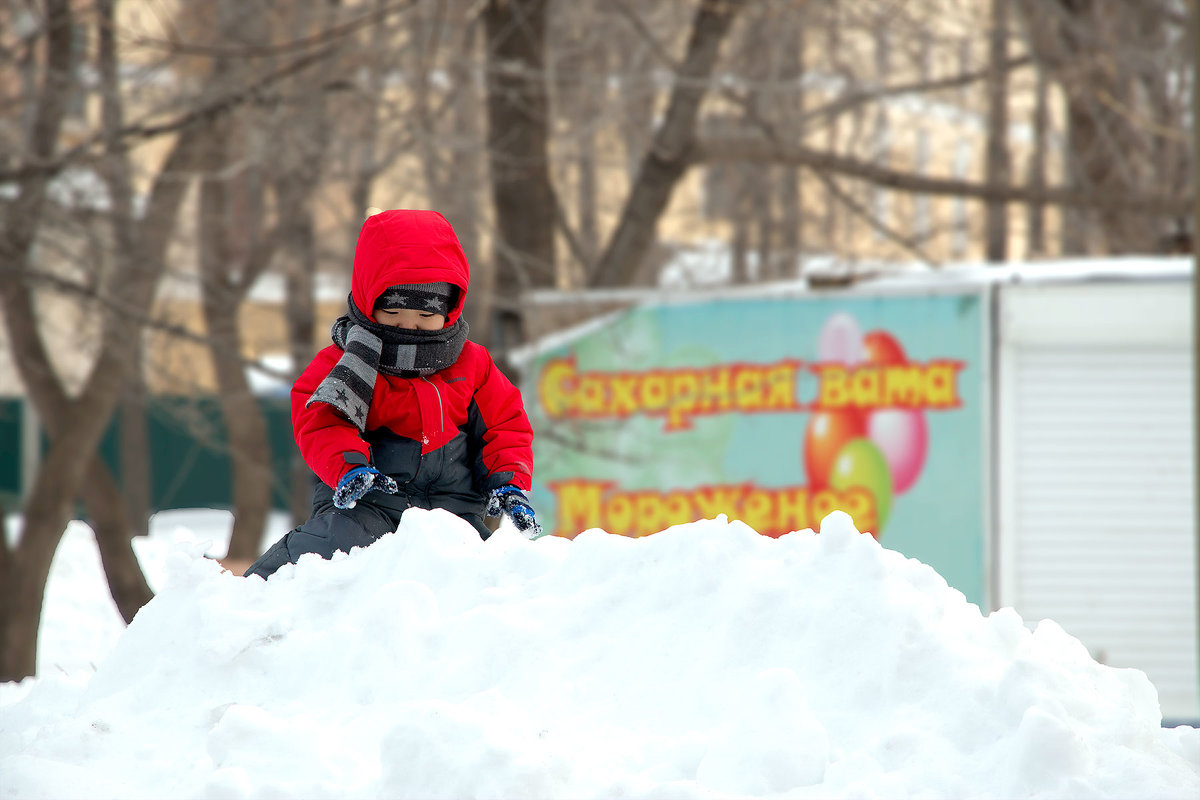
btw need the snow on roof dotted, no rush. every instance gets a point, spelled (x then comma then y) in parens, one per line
(709, 266)
(701, 275)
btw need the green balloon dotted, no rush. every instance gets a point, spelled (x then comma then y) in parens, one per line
(860, 463)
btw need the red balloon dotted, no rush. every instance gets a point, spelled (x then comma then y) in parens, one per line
(883, 348)
(824, 437)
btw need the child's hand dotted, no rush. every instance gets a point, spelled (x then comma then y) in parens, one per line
(357, 482)
(512, 501)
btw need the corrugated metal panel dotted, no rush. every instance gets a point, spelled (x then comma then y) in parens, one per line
(1102, 505)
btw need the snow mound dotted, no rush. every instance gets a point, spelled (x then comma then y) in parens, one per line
(705, 661)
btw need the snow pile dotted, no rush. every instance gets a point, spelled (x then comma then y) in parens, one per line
(703, 662)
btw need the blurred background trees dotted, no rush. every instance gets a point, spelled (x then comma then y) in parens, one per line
(181, 185)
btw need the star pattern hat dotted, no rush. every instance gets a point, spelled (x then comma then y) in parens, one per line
(437, 298)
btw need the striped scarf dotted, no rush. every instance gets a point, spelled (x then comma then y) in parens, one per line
(369, 348)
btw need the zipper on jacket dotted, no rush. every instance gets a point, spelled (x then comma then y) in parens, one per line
(441, 411)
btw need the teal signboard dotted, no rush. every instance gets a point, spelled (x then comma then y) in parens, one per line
(774, 411)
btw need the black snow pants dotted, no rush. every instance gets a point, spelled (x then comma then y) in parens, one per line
(331, 529)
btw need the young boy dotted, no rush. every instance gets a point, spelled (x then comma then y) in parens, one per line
(402, 410)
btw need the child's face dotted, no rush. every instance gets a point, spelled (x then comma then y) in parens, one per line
(410, 319)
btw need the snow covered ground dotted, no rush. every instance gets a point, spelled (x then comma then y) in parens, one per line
(702, 662)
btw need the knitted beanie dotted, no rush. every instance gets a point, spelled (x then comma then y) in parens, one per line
(437, 298)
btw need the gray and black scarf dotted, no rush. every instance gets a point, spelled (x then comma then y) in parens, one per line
(370, 348)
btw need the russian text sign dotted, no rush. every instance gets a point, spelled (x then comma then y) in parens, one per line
(774, 412)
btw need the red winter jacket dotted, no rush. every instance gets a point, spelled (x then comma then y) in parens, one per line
(447, 438)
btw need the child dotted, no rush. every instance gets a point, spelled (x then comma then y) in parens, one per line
(402, 410)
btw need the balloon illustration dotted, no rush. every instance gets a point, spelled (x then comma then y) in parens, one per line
(859, 463)
(903, 438)
(882, 348)
(840, 339)
(900, 434)
(824, 437)
(880, 450)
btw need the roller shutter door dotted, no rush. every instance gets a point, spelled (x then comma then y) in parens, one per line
(1103, 507)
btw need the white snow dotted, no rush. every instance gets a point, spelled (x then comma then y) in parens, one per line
(705, 661)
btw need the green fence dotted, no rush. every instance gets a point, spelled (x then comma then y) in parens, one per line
(11, 420)
(188, 450)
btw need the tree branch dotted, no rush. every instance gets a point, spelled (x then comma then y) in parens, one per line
(852, 100)
(907, 243)
(44, 165)
(259, 50)
(669, 153)
(761, 150)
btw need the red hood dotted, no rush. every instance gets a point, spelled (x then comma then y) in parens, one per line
(407, 247)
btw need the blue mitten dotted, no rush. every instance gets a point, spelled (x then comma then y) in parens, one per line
(512, 502)
(357, 482)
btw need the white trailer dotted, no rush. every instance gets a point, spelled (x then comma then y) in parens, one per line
(1095, 521)
(1087, 440)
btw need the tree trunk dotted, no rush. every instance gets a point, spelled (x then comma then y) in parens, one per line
(134, 448)
(466, 178)
(638, 106)
(1076, 238)
(115, 523)
(249, 448)
(47, 511)
(518, 112)
(300, 242)
(26, 567)
(454, 173)
(791, 208)
(997, 166)
(741, 207)
(77, 426)
(1036, 176)
(765, 224)
(587, 195)
(579, 103)
(1091, 48)
(245, 428)
(114, 537)
(299, 238)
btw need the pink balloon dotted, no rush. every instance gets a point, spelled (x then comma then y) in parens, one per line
(903, 437)
(841, 340)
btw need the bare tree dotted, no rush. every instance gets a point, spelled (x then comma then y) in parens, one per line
(518, 154)
(75, 409)
(298, 141)
(232, 252)
(262, 168)
(669, 153)
(74, 421)
(997, 160)
(1118, 64)
(448, 130)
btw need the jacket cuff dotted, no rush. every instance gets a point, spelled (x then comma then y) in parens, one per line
(496, 480)
(350, 460)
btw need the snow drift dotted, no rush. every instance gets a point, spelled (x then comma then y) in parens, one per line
(705, 661)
